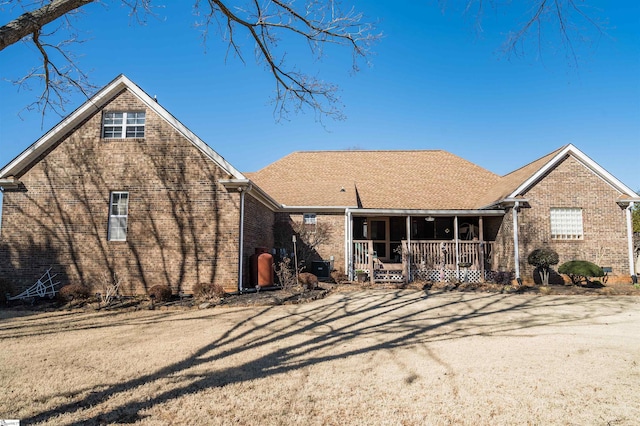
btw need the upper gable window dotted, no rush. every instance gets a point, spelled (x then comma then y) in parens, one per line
(118, 125)
(566, 223)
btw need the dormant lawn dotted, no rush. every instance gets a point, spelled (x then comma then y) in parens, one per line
(368, 357)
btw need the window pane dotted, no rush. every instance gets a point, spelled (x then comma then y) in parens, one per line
(113, 118)
(135, 118)
(118, 228)
(135, 132)
(112, 132)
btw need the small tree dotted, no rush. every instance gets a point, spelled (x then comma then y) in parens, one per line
(635, 215)
(580, 271)
(542, 259)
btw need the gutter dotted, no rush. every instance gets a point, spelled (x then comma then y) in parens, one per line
(9, 183)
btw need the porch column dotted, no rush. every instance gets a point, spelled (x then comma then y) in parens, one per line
(371, 264)
(455, 233)
(348, 249)
(481, 248)
(516, 254)
(630, 239)
(407, 263)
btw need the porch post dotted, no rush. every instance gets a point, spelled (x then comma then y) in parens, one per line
(455, 232)
(516, 254)
(348, 241)
(630, 239)
(406, 260)
(371, 270)
(481, 247)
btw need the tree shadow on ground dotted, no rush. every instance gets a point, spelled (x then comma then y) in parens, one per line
(276, 340)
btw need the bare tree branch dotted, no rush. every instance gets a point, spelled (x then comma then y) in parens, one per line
(30, 22)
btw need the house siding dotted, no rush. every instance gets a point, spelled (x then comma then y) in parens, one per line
(182, 224)
(570, 184)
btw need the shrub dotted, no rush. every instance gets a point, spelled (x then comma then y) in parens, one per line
(74, 292)
(5, 288)
(542, 259)
(580, 271)
(308, 280)
(502, 277)
(338, 276)
(286, 275)
(160, 293)
(208, 291)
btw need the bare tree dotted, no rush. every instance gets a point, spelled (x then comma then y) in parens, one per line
(572, 21)
(316, 22)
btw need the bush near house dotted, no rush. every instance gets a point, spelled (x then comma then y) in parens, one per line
(160, 293)
(208, 291)
(5, 288)
(308, 280)
(338, 276)
(542, 259)
(580, 271)
(74, 292)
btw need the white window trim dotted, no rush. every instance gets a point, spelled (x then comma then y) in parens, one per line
(120, 215)
(309, 219)
(124, 126)
(567, 223)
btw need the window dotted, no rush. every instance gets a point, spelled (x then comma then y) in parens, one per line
(309, 218)
(118, 125)
(566, 224)
(118, 212)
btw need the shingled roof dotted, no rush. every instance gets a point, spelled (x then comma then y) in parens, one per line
(510, 182)
(376, 179)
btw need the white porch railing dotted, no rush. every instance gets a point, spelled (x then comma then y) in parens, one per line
(431, 259)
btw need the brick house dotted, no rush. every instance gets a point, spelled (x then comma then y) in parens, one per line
(121, 186)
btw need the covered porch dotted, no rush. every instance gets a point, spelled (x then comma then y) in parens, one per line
(422, 245)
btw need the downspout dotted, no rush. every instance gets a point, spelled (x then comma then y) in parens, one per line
(516, 254)
(241, 245)
(630, 241)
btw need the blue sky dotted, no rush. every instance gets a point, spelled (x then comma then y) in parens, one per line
(435, 83)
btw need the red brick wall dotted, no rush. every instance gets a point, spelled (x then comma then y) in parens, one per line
(258, 233)
(182, 224)
(570, 184)
(334, 246)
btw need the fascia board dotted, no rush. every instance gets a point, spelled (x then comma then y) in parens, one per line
(252, 189)
(407, 212)
(315, 209)
(584, 159)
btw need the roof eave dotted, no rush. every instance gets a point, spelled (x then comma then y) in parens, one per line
(570, 149)
(254, 190)
(429, 212)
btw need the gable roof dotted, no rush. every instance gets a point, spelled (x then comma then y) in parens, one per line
(518, 182)
(93, 105)
(375, 179)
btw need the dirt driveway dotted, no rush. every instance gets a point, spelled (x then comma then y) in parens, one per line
(368, 357)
